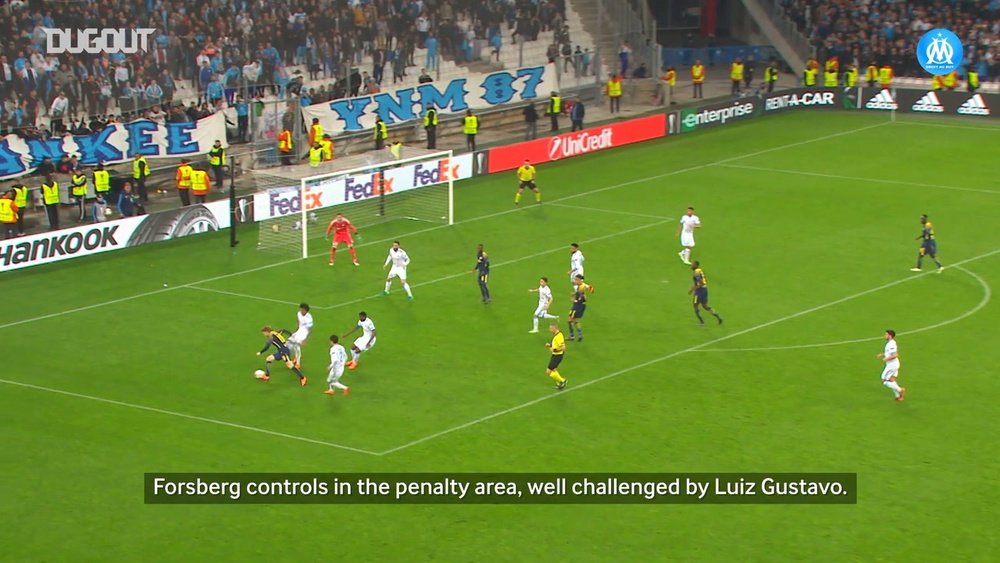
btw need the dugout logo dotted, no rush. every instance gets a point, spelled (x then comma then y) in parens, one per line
(97, 41)
(718, 115)
(939, 51)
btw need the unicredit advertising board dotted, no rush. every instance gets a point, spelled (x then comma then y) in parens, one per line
(577, 143)
(338, 190)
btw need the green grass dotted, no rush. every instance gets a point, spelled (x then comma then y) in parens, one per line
(794, 259)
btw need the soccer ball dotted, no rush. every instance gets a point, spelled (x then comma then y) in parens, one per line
(276, 227)
(259, 373)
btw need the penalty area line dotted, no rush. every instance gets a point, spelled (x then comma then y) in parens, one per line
(186, 416)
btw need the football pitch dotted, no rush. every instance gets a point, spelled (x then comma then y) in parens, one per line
(807, 240)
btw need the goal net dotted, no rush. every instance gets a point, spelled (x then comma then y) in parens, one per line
(295, 204)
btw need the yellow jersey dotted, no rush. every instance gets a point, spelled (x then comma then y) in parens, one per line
(558, 345)
(526, 173)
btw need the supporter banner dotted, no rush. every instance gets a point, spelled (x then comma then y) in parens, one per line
(338, 190)
(116, 143)
(86, 240)
(719, 114)
(579, 143)
(940, 102)
(498, 88)
(803, 98)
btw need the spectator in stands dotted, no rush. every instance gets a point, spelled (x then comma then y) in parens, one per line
(424, 77)
(530, 122)
(624, 53)
(576, 115)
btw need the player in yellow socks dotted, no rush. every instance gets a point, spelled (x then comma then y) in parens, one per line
(526, 179)
(558, 348)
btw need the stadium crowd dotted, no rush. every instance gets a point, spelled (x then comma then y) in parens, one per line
(225, 49)
(886, 32)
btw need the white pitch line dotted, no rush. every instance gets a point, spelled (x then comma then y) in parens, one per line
(987, 296)
(612, 211)
(438, 227)
(243, 295)
(862, 179)
(187, 416)
(655, 361)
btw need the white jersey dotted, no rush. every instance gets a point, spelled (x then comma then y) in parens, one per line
(576, 262)
(688, 224)
(305, 322)
(398, 258)
(890, 351)
(338, 357)
(544, 295)
(368, 327)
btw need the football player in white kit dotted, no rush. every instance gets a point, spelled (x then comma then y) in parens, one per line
(575, 263)
(299, 337)
(399, 260)
(338, 359)
(544, 302)
(891, 372)
(364, 342)
(688, 223)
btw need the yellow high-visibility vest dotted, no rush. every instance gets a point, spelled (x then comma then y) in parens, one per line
(885, 75)
(327, 145)
(671, 77)
(285, 141)
(471, 125)
(216, 156)
(102, 181)
(809, 77)
(830, 78)
(20, 195)
(698, 74)
(183, 176)
(851, 77)
(7, 213)
(614, 88)
(736, 71)
(555, 104)
(139, 168)
(973, 78)
(770, 74)
(315, 156)
(50, 193)
(199, 182)
(79, 185)
(431, 118)
(381, 131)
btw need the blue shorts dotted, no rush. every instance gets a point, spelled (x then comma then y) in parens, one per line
(701, 296)
(577, 311)
(929, 248)
(282, 354)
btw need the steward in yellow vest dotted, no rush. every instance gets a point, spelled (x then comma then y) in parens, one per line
(770, 76)
(830, 79)
(697, 78)
(140, 170)
(381, 133)
(316, 154)
(851, 76)
(285, 147)
(871, 75)
(50, 196)
(555, 108)
(885, 76)
(217, 160)
(972, 80)
(79, 191)
(736, 74)
(614, 91)
(470, 126)
(199, 184)
(950, 80)
(102, 180)
(21, 201)
(9, 215)
(430, 126)
(327, 144)
(809, 77)
(183, 180)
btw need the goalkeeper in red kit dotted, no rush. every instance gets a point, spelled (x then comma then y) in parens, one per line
(342, 230)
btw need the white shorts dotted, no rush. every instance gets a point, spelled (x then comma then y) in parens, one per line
(890, 371)
(360, 342)
(299, 336)
(540, 311)
(397, 272)
(335, 373)
(687, 240)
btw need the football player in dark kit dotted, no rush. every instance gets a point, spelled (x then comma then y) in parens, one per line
(482, 267)
(928, 245)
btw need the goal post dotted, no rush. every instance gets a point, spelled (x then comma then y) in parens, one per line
(295, 205)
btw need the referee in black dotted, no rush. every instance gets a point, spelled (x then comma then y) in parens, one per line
(482, 267)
